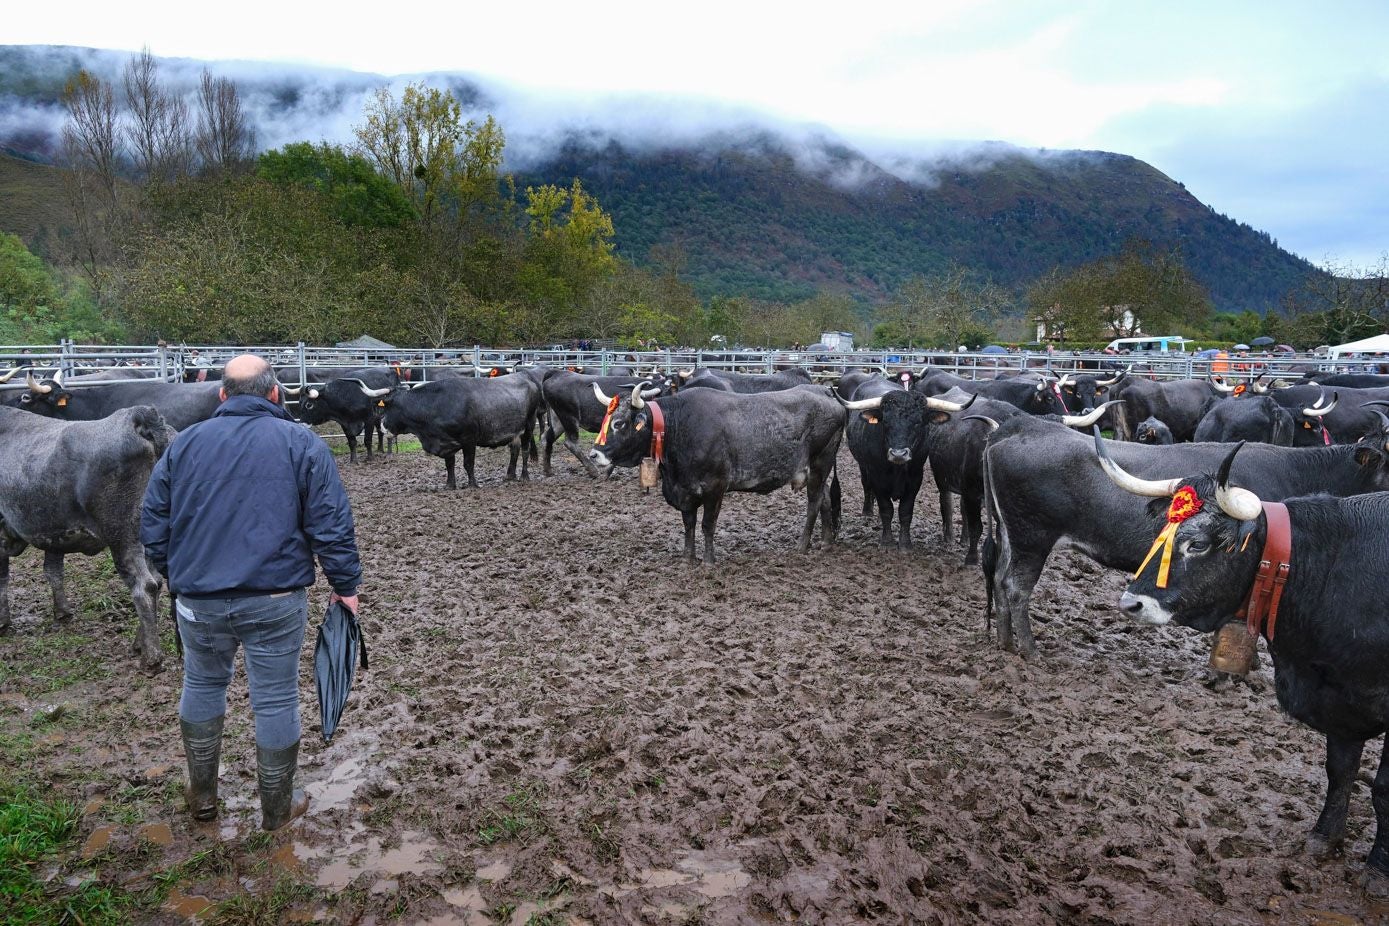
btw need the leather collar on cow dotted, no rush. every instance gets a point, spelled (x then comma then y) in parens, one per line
(1260, 610)
(658, 432)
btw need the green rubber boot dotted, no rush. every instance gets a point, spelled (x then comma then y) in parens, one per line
(202, 744)
(280, 801)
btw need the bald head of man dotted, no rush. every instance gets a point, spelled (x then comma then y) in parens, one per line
(247, 374)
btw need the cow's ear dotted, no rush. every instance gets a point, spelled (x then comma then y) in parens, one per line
(939, 417)
(1159, 506)
(1367, 456)
(1101, 390)
(869, 417)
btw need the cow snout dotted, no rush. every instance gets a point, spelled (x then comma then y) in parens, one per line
(899, 455)
(1130, 604)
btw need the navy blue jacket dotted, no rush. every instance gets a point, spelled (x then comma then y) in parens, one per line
(240, 504)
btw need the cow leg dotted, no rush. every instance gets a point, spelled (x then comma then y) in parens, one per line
(885, 512)
(515, 448)
(829, 518)
(549, 439)
(947, 513)
(352, 444)
(571, 441)
(1342, 764)
(906, 510)
(144, 586)
(1377, 865)
(527, 453)
(1014, 579)
(711, 521)
(469, 456)
(53, 572)
(4, 593)
(449, 459)
(689, 516)
(970, 512)
(867, 495)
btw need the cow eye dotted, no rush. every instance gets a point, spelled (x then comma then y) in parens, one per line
(617, 425)
(1197, 547)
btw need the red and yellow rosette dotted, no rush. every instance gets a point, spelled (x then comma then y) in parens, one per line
(603, 431)
(1184, 504)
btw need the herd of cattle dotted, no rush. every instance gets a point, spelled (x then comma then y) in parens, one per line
(75, 454)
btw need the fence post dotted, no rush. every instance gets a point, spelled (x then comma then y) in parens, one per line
(163, 361)
(603, 361)
(65, 356)
(477, 360)
(670, 367)
(303, 366)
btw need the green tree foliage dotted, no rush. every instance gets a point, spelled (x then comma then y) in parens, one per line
(1139, 289)
(360, 195)
(569, 251)
(943, 310)
(37, 306)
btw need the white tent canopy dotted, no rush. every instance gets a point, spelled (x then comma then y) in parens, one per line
(1375, 345)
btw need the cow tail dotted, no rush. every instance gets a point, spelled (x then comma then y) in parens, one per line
(151, 428)
(989, 557)
(834, 497)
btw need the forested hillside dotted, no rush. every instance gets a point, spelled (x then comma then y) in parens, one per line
(750, 220)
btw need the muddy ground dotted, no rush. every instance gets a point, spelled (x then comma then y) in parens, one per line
(563, 722)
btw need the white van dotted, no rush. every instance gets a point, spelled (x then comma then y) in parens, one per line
(1156, 345)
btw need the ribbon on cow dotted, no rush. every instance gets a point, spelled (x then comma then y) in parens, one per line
(603, 431)
(1184, 504)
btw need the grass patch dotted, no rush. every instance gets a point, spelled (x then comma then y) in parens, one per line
(519, 817)
(33, 830)
(267, 908)
(50, 661)
(340, 448)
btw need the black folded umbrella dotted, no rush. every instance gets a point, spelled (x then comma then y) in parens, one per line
(335, 658)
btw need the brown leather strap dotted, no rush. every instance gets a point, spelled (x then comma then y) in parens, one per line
(658, 431)
(1260, 610)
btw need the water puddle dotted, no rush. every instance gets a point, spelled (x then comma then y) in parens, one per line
(494, 871)
(190, 906)
(705, 873)
(414, 854)
(468, 900)
(93, 806)
(286, 858)
(98, 841)
(157, 833)
(338, 789)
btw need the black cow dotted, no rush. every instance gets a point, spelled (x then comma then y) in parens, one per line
(76, 487)
(356, 401)
(718, 442)
(1347, 380)
(889, 437)
(1043, 484)
(1258, 419)
(1152, 431)
(450, 415)
(180, 404)
(1085, 391)
(1180, 404)
(1036, 395)
(742, 383)
(578, 401)
(1330, 645)
(1342, 419)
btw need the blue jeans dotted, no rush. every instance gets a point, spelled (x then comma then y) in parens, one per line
(271, 627)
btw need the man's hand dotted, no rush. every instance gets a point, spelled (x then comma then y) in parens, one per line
(349, 602)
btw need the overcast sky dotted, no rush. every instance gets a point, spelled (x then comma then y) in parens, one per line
(1273, 112)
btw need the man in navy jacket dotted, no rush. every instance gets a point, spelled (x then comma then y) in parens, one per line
(235, 513)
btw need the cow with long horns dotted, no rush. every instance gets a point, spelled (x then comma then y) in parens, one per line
(1033, 393)
(708, 443)
(76, 487)
(1043, 485)
(180, 404)
(1327, 629)
(889, 436)
(356, 401)
(1180, 404)
(573, 403)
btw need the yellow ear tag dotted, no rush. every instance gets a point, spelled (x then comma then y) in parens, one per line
(871, 419)
(639, 425)
(62, 400)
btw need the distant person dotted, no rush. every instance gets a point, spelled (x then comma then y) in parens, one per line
(235, 512)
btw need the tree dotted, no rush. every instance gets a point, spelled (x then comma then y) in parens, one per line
(569, 250)
(225, 139)
(905, 319)
(956, 308)
(91, 149)
(362, 197)
(161, 140)
(1347, 303)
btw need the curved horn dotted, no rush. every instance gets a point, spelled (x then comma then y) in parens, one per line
(1257, 384)
(1085, 421)
(863, 405)
(1152, 488)
(36, 386)
(601, 396)
(58, 379)
(8, 376)
(637, 401)
(1115, 380)
(686, 374)
(1240, 504)
(1318, 409)
(371, 393)
(941, 405)
(651, 393)
(291, 391)
(1220, 386)
(993, 425)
